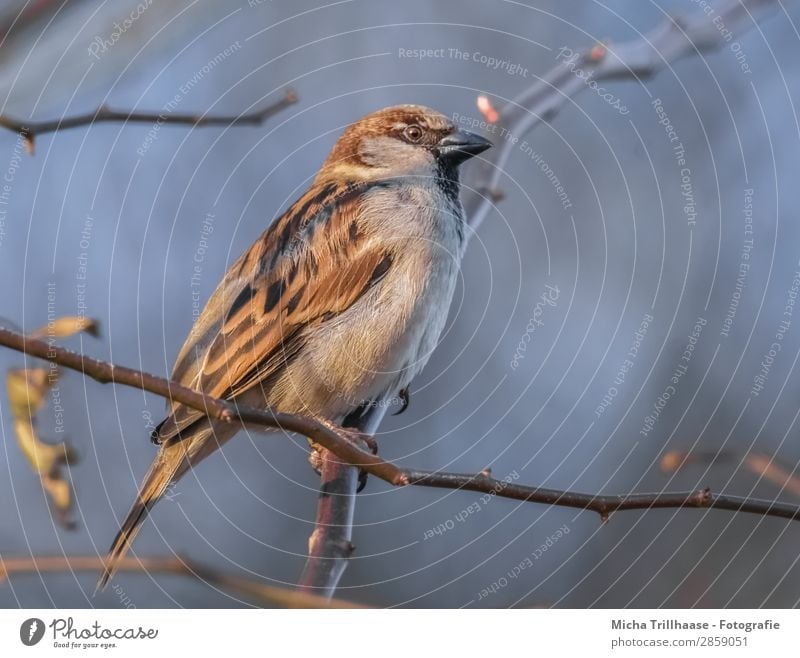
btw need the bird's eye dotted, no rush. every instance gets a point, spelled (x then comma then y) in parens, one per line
(413, 133)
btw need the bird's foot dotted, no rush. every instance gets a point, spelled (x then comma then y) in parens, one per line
(315, 457)
(351, 434)
(360, 439)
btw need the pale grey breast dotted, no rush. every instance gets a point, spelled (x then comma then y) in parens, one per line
(380, 343)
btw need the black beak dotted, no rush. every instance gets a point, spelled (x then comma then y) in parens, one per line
(461, 145)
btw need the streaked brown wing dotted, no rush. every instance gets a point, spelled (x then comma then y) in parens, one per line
(306, 268)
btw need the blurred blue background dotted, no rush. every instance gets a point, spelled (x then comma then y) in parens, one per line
(134, 211)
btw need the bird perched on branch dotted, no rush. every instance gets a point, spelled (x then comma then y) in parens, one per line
(338, 304)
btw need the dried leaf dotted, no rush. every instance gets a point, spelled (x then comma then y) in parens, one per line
(27, 389)
(27, 394)
(44, 458)
(60, 492)
(68, 325)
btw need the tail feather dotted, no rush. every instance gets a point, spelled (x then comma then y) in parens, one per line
(175, 457)
(165, 468)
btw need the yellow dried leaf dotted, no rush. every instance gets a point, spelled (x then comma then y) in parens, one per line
(60, 496)
(27, 393)
(67, 325)
(27, 389)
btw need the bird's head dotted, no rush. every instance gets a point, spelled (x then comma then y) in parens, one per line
(404, 140)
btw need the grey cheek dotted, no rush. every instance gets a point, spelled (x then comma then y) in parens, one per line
(377, 151)
(396, 155)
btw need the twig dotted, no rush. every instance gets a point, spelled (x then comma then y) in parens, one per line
(264, 594)
(603, 505)
(330, 544)
(635, 59)
(345, 448)
(29, 130)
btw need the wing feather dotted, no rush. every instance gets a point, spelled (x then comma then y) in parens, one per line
(309, 266)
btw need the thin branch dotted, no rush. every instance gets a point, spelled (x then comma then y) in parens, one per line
(330, 544)
(603, 505)
(263, 594)
(636, 59)
(340, 442)
(29, 130)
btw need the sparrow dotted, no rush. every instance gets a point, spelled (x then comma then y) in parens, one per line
(338, 304)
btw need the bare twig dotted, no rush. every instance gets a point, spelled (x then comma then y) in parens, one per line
(603, 505)
(330, 544)
(181, 566)
(639, 58)
(341, 444)
(29, 130)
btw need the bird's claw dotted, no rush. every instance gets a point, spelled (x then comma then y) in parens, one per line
(372, 444)
(315, 458)
(362, 481)
(405, 398)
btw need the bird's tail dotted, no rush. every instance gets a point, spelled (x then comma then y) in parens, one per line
(186, 448)
(171, 462)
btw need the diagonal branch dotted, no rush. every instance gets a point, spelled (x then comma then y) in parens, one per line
(29, 130)
(340, 442)
(676, 37)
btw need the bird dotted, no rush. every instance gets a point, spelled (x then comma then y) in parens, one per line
(338, 305)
